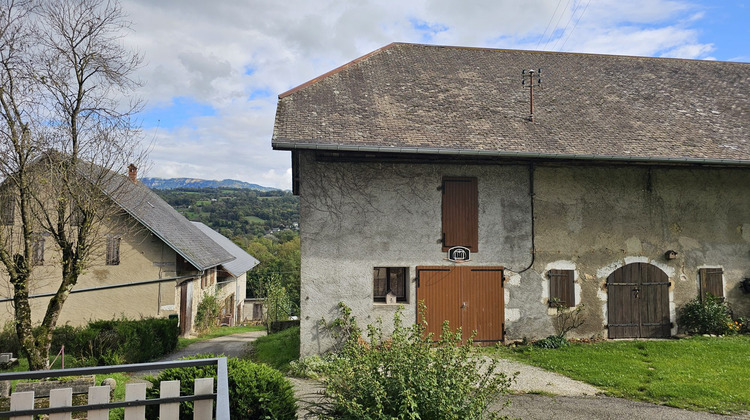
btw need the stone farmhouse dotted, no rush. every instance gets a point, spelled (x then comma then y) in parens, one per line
(424, 174)
(153, 262)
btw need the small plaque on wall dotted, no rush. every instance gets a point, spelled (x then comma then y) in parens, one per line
(459, 253)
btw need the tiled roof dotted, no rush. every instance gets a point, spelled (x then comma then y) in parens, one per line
(452, 100)
(167, 224)
(243, 261)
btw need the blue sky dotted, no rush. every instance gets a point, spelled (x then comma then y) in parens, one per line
(213, 70)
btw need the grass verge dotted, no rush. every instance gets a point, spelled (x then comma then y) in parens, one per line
(698, 373)
(277, 350)
(217, 332)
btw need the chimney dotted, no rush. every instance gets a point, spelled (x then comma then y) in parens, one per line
(133, 173)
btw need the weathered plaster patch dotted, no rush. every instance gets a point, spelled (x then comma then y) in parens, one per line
(605, 271)
(688, 243)
(672, 312)
(514, 279)
(633, 245)
(512, 314)
(745, 232)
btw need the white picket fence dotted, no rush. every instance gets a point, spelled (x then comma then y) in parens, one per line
(61, 400)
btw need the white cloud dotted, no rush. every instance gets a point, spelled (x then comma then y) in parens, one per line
(220, 53)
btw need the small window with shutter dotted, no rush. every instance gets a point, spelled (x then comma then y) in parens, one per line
(113, 250)
(37, 250)
(562, 288)
(460, 213)
(711, 281)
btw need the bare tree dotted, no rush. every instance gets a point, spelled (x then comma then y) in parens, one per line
(67, 130)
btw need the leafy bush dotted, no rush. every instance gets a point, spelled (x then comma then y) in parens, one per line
(709, 316)
(255, 391)
(552, 342)
(407, 376)
(121, 341)
(108, 342)
(207, 315)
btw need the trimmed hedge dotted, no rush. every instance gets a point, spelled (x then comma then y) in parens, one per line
(108, 342)
(255, 391)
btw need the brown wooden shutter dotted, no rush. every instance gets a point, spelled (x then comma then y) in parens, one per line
(7, 211)
(113, 250)
(711, 282)
(460, 213)
(562, 287)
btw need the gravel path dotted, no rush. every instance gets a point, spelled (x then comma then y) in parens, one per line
(230, 345)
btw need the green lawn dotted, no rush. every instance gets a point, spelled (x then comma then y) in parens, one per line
(699, 373)
(277, 350)
(217, 332)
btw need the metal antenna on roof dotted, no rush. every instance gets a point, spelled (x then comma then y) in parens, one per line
(531, 84)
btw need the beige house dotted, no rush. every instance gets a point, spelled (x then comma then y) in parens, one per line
(232, 277)
(153, 262)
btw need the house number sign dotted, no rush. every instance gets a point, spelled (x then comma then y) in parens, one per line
(459, 253)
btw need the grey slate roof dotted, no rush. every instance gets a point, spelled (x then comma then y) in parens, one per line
(451, 100)
(243, 261)
(167, 224)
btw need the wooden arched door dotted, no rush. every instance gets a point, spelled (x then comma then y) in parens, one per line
(638, 302)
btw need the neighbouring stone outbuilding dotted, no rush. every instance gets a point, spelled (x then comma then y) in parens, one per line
(628, 191)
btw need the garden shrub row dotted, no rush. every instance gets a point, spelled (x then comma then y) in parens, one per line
(108, 342)
(255, 391)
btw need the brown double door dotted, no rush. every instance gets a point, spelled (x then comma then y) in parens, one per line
(638, 302)
(468, 297)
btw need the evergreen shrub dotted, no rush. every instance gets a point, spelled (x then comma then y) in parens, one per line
(255, 391)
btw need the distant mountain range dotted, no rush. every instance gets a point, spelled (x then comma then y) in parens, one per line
(172, 183)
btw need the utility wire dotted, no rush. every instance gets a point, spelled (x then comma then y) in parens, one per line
(544, 34)
(576, 24)
(556, 25)
(576, 5)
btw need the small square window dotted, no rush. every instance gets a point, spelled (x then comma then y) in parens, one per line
(390, 280)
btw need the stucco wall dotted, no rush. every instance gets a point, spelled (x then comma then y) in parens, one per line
(142, 257)
(355, 217)
(591, 219)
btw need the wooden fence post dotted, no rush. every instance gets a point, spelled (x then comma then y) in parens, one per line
(169, 411)
(99, 395)
(135, 392)
(22, 401)
(203, 409)
(62, 397)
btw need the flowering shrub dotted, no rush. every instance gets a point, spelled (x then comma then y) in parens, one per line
(709, 316)
(407, 376)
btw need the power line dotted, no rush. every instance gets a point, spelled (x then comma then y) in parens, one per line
(576, 24)
(556, 25)
(548, 24)
(565, 29)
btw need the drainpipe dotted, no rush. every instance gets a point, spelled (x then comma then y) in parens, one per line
(531, 198)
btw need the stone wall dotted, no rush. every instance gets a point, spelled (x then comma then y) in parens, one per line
(590, 219)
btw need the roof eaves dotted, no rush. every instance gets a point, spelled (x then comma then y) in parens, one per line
(280, 145)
